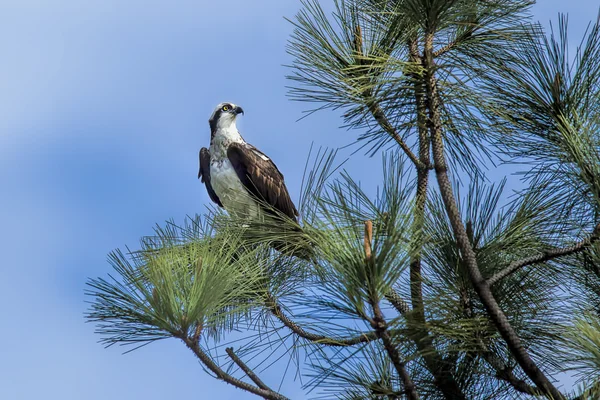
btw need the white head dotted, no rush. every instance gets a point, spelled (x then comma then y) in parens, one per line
(223, 118)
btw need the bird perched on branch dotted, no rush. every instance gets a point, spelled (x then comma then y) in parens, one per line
(238, 176)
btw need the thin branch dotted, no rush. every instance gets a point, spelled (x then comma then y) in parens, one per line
(436, 365)
(276, 310)
(480, 285)
(443, 50)
(376, 110)
(416, 290)
(246, 369)
(383, 121)
(547, 255)
(210, 364)
(380, 325)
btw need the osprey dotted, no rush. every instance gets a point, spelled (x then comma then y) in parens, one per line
(238, 176)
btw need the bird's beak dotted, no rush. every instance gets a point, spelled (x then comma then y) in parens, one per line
(238, 110)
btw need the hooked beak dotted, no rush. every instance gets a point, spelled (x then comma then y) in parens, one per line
(238, 110)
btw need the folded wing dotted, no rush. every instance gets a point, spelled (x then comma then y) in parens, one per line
(204, 175)
(260, 177)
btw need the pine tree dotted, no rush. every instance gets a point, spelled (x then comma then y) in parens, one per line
(419, 291)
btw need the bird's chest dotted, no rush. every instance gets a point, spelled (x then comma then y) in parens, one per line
(229, 189)
(224, 179)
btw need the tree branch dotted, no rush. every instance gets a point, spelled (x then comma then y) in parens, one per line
(383, 121)
(380, 325)
(246, 369)
(416, 290)
(276, 310)
(546, 256)
(210, 364)
(375, 108)
(520, 385)
(436, 365)
(479, 284)
(443, 50)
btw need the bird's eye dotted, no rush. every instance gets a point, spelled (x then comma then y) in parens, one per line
(225, 108)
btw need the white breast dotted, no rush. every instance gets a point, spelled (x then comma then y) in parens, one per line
(229, 189)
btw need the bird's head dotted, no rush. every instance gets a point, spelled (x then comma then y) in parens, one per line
(224, 116)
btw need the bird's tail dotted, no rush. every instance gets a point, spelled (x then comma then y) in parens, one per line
(294, 242)
(301, 249)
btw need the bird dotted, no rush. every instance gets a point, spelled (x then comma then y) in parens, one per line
(239, 177)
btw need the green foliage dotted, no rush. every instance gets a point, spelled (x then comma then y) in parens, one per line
(365, 375)
(546, 104)
(582, 351)
(181, 279)
(499, 235)
(342, 208)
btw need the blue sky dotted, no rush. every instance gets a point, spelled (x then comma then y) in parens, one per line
(103, 107)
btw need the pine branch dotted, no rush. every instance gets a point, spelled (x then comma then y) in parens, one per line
(383, 121)
(376, 110)
(220, 374)
(440, 369)
(547, 255)
(380, 325)
(435, 364)
(246, 369)
(443, 50)
(416, 290)
(506, 374)
(479, 284)
(276, 310)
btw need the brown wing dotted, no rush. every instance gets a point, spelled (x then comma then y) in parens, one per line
(261, 177)
(204, 175)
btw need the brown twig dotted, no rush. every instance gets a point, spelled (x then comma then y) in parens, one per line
(520, 385)
(375, 108)
(276, 310)
(367, 240)
(383, 121)
(416, 291)
(547, 255)
(246, 369)
(503, 371)
(443, 50)
(220, 374)
(379, 324)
